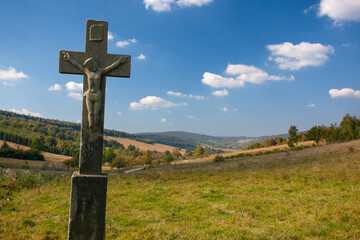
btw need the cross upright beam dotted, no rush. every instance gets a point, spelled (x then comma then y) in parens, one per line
(95, 56)
(88, 189)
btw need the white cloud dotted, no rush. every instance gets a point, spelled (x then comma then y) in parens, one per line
(163, 120)
(294, 57)
(158, 5)
(55, 87)
(218, 81)
(242, 74)
(11, 74)
(188, 3)
(310, 105)
(141, 57)
(154, 103)
(179, 94)
(119, 113)
(344, 93)
(220, 93)
(311, 8)
(125, 43)
(26, 112)
(340, 11)
(75, 95)
(165, 5)
(224, 109)
(73, 86)
(8, 84)
(193, 117)
(110, 36)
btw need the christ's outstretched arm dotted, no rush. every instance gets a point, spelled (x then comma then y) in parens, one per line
(73, 62)
(115, 64)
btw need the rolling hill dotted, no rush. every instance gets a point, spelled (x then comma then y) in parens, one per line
(192, 140)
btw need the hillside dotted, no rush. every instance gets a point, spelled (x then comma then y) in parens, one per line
(308, 194)
(59, 137)
(192, 140)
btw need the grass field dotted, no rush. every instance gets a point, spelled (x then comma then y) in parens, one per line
(308, 194)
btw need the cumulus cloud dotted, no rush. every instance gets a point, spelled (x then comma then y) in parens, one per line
(119, 113)
(344, 93)
(110, 36)
(310, 105)
(125, 43)
(163, 120)
(189, 3)
(55, 87)
(220, 93)
(153, 103)
(75, 95)
(141, 57)
(26, 112)
(224, 109)
(241, 74)
(73, 86)
(340, 11)
(179, 94)
(294, 57)
(166, 5)
(11, 74)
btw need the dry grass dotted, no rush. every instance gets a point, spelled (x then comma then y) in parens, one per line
(50, 157)
(143, 146)
(235, 152)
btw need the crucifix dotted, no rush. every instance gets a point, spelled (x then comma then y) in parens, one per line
(88, 189)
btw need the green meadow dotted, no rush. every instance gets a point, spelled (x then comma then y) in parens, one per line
(308, 194)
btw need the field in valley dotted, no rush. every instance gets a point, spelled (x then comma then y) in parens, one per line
(308, 194)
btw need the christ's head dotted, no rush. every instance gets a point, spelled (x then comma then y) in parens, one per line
(91, 64)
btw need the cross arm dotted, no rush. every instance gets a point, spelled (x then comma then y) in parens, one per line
(68, 67)
(122, 70)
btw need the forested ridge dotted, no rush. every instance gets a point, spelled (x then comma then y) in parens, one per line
(56, 136)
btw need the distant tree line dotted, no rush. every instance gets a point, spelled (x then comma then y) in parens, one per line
(348, 129)
(32, 154)
(56, 136)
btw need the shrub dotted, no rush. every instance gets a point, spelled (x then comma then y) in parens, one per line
(219, 158)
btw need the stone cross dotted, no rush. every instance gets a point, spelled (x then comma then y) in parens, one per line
(88, 192)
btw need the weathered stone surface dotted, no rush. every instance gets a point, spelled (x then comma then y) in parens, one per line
(88, 204)
(88, 189)
(72, 62)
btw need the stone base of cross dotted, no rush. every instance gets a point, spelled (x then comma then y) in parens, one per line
(88, 189)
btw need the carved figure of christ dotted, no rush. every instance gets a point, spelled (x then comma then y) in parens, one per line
(93, 95)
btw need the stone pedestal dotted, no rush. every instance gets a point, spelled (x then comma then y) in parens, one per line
(88, 205)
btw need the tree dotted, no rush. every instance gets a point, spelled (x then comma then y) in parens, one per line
(118, 162)
(147, 157)
(293, 137)
(316, 133)
(37, 144)
(176, 153)
(199, 151)
(73, 162)
(109, 155)
(167, 157)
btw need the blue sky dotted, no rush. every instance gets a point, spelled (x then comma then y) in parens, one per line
(217, 67)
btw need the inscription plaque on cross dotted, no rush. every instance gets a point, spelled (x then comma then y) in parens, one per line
(88, 187)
